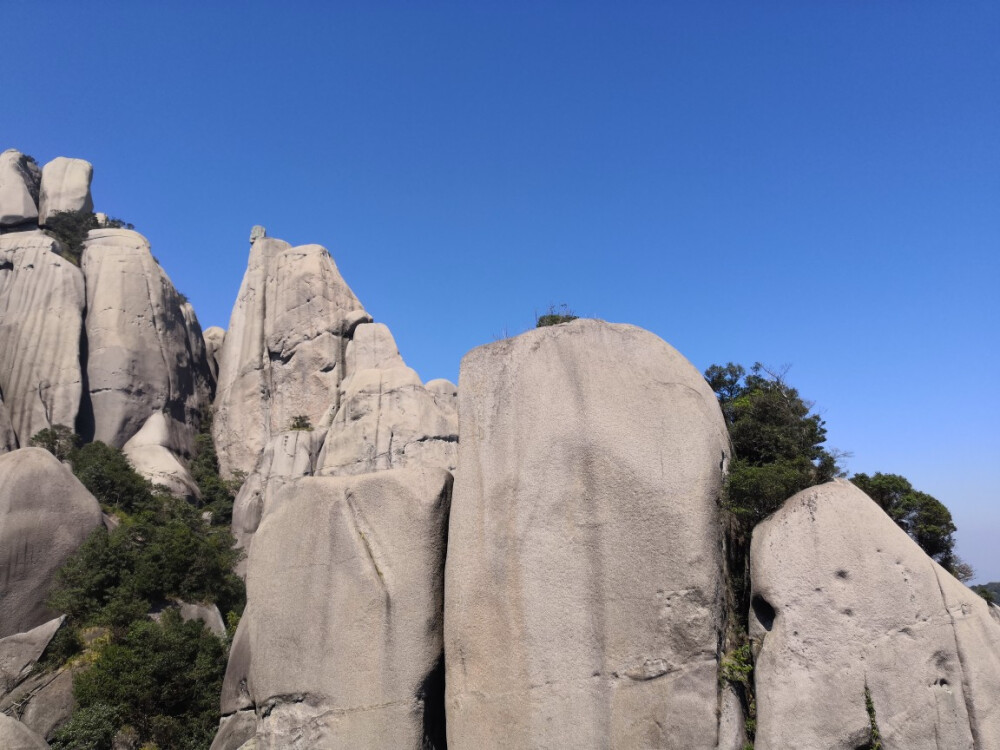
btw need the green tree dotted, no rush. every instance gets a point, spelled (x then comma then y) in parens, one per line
(71, 228)
(777, 441)
(109, 476)
(59, 440)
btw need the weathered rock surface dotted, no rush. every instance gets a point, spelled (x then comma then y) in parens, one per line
(584, 571)
(20, 651)
(151, 451)
(234, 730)
(387, 418)
(19, 183)
(289, 456)
(340, 644)
(283, 352)
(65, 186)
(843, 598)
(145, 352)
(215, 337)
(43, 702)
(45, 515)
(41, 318)
(16, 736)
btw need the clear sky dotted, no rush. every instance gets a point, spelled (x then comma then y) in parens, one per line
(814, 184)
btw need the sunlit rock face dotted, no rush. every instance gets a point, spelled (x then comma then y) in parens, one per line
(283, 355)
(42, 302)
(145, 352)
(340, 644)
(584, 571)
(843, 599)
(65, 186)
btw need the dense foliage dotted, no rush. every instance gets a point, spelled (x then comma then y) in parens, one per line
(217, 494)
(71, 228)
(147, 682)
(777, 443)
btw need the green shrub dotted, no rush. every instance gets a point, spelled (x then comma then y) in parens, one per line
(554, 317)
(59, 440)
(217, 494)
(300, 422)
(109, 476)
(90, 728)
(70, 228)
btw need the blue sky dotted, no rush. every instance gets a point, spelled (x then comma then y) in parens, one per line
(806, 184)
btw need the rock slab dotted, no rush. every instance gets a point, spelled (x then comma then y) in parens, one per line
(19, 182)
(41, 319)
(584, 569)
(45, 515)
(843, 598)
(340, 644)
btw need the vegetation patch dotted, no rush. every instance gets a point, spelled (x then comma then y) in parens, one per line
(152, 682)
(555, 316)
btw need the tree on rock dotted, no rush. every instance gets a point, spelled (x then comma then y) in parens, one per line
(777, 443)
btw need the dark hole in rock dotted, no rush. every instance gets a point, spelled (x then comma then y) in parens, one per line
(841, 574)
(941, 681)
(763, 611)
(432, 695)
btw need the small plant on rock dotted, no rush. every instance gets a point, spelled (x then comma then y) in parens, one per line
(555, 316)
(300, 422)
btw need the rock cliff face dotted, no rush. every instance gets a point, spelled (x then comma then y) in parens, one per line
(283, 353)
(844, 600)
(42, 301)
(340, 645)
(145, 351)
(45, 514)
(584, 574)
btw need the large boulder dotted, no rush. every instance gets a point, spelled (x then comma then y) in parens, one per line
(41, 320)
(584, 569)
(145, 351)
(283, 353)
(65, 186)
(16, 736)
(45, 515)
(845, 603)
(19, 181)
(340, 644)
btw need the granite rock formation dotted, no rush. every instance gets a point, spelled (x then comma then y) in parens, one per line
(145, 351)
(16, 736)
(844, 600)
(340, 645)
(584, 572)
(283, 352)
(41, 320)
(45, 515)
(65, 186)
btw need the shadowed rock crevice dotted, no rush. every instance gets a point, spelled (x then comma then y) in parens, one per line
(431, 696)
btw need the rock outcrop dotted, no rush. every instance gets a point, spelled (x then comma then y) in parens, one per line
(844, 601)
(340, 644)
(20, 651)
(41, 320)
(145, 351)
(19, 184)
(387, 418)
(215, 337)
(45, 515)
(8, 440)
(283, 353)
(65, 186)
(153, 450)
(584, 570)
